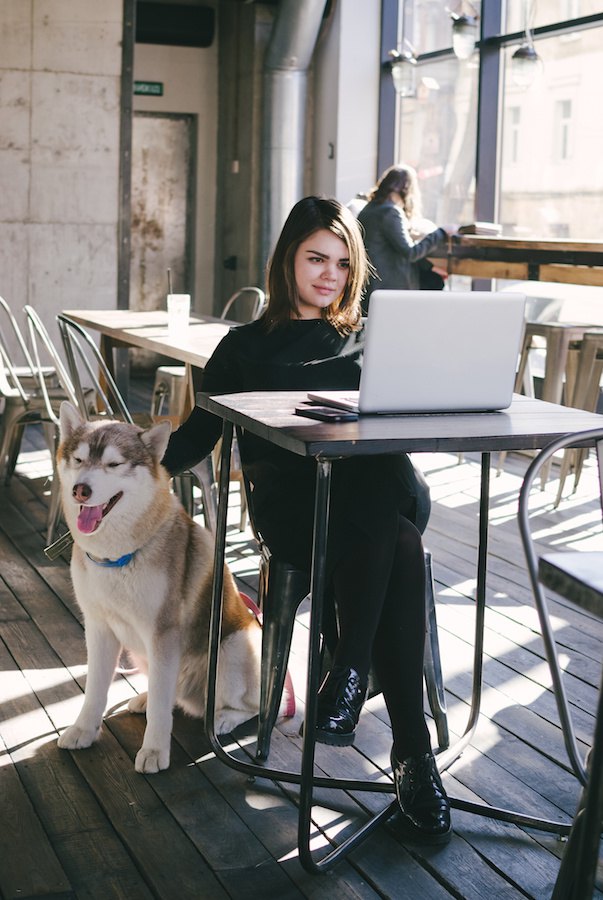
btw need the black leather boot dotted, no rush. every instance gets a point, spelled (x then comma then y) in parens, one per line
(422, 799)
(340, 700)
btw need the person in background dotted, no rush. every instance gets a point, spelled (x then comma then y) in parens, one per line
(310, 337)
(395, 235)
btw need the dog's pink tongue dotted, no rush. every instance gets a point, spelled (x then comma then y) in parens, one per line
(89, 518)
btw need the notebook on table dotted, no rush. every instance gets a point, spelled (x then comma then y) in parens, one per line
(436, 351)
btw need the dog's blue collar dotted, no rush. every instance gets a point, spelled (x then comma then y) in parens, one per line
(112, 563)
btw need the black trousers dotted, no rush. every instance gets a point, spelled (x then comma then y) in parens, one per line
(375, 614)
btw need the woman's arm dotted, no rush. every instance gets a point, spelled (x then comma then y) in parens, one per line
(199, 434)
(396, 232)
(192, 441)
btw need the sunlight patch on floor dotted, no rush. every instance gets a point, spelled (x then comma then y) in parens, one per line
(455, 501)
(34, 464)
(532, 683)
(466, 588)
(257, 800)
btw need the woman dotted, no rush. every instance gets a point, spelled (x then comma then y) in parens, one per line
(398, 255)
(310, 337)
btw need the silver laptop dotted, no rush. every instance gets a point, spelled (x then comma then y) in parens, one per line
(436, 351)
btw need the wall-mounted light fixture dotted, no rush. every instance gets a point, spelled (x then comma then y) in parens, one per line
(525, 62)
(465, 29)
(402, 66)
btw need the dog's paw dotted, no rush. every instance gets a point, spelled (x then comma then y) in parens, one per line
(226, 720)
(76, 738)
(138, 704)
(151, 761)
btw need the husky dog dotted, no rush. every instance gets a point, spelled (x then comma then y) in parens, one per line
(142, 572)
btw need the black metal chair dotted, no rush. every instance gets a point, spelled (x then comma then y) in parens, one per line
(282, 588)
(577, 576)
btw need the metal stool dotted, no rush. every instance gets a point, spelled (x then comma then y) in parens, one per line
(583, 393)
(558, 337)
(170, 387)
(561, 351)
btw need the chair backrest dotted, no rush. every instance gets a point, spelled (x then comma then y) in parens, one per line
(83, 356)
(13, 340)
(245, 295)
(10, 381)
(577, 439)
(42, 344)
(18, 375)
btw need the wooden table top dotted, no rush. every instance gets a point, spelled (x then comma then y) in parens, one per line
(148, 330)
(526, 424)
(558, 260)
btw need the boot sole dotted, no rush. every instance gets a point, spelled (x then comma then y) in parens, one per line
(412, 833)
(334, 740)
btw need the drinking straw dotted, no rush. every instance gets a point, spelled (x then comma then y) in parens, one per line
(169, 274)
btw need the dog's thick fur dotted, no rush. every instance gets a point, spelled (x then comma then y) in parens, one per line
(117, 500)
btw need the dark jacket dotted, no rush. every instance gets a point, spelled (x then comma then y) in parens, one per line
(391, 249)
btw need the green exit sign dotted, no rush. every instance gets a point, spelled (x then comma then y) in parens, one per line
(149, 88)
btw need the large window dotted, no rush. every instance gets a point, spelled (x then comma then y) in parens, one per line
(547, 12)
(436, 135)
(551, 174)
(531, 156)
(436, 124)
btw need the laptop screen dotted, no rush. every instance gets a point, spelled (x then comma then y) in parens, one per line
(438, 351)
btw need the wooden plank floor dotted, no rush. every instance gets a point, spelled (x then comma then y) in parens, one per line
(85, 824)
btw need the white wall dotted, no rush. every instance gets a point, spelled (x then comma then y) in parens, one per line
(189, 76)
(346, 92)
(59, 153)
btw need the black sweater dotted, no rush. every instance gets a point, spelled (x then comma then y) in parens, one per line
(298, 355)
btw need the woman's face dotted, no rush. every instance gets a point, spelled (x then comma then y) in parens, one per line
(321, 267)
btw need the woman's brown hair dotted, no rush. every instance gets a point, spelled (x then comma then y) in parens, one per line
(308, 216)
(400, 180)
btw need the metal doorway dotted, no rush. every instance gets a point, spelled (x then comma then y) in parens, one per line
(162, 206)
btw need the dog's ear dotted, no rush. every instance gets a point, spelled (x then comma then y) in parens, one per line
(69, 419)
(156, 439)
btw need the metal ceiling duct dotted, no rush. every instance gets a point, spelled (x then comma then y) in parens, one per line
(288, 57)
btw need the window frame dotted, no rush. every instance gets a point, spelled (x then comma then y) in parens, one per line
(490, 79)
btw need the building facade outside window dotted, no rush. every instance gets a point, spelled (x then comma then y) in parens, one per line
(557, 189)
(547, 179)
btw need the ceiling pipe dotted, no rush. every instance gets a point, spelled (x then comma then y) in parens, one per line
(288, 57)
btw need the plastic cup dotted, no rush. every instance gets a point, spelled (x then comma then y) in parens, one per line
(178, 309)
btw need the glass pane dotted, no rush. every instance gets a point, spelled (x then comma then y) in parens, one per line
(552, 147)
(545, 13)
(427, 25)
(437, 135)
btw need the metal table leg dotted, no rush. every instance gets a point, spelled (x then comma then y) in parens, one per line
(306, 779)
